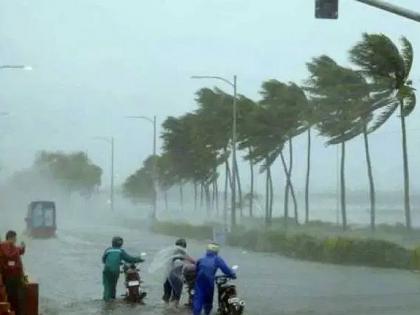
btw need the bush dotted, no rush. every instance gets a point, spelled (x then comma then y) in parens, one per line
(336, 250)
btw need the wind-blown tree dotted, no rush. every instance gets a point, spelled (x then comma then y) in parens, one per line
(310, 119)
(266, 137)
(187, 143)
(388, 68)
(165, 176)
(340, 95)
(268, 127)
(139, 187)
(72, 171)
(245, 127)
(291, 102)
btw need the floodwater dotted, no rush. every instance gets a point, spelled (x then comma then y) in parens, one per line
(68, 269)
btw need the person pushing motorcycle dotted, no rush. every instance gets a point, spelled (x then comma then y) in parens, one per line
(174, 281)
(207, 268)
(112, 259)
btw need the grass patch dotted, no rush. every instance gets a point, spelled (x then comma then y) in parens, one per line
(305, 242)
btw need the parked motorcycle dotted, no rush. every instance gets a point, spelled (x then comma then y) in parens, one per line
(229, 302)
(134, 292)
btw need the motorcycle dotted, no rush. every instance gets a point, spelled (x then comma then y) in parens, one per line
(229, 302)
(189, 280)
(134, 292)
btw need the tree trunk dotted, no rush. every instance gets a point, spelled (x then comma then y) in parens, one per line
(267, 196)
(166, 199)
(271, 196)
(195, 196)
(286, 197)
(372, 193)
(181, 195)
(286, 192)
(292, 190)
(216, 193)
(308, 173)
(201, 196)
(406, 173)
(251, 193)
(225, 196)
(238, 181)
(343, 186)
(208, 198)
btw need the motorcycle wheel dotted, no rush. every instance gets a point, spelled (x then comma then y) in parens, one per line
(235, 309)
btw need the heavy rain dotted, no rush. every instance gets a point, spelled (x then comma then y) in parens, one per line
(276, 142)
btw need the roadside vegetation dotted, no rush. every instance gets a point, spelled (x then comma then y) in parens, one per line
(316, 241)
(336, 102)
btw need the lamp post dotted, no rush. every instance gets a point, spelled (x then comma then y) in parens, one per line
(110, 141)
(233, 84)
(154, 175)
(22, 67)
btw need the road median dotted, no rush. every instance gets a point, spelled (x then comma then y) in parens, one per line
(326, 249)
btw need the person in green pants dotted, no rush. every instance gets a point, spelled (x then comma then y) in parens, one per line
(112, 259)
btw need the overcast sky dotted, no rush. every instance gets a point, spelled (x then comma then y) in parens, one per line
(96, 61)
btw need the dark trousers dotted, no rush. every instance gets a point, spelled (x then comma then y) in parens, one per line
(15, 294)
(172, 288)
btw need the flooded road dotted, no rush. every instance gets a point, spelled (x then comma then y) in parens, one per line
(69, 267)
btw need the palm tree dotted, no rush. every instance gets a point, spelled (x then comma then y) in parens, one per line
(245, 128)
(310, 119)
(388, 67)
(290, 101)
(339, 94)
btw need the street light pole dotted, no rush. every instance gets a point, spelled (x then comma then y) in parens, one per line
(234, 136)
(393, 9)
(154, 175)
(23, 67)
(112, 173)
(110, 141)
(234, 139)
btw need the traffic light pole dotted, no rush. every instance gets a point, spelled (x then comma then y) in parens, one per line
(393, 9)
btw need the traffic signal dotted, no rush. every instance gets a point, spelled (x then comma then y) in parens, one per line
(326, 9)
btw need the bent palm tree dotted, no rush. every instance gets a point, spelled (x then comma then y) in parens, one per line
(389, 68)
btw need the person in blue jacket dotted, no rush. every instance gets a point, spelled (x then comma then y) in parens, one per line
(112, 259)
(206, 271)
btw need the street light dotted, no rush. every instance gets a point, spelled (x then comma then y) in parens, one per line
(153, 122)
(22, 67)
(110, 141)
(234, 123)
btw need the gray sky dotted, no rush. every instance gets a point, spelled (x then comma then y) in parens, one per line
(96, 61)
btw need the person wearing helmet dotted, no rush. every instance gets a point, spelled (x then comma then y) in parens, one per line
(112, 259)
(204, 285)
(174, 281)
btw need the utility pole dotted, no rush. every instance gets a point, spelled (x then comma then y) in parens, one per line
(112, 174)
(233, 84)
(110, 141)
(154, 167)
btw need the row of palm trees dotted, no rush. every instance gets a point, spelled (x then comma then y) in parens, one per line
(341, 103)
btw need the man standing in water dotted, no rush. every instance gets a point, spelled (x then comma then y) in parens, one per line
(174, 282)
(11, 268)
(207, 268)
(112, 259)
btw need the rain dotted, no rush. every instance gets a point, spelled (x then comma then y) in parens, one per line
(285, 133)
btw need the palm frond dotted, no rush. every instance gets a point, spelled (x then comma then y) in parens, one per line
(380, 119)
(409, 103)
(407, 56)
